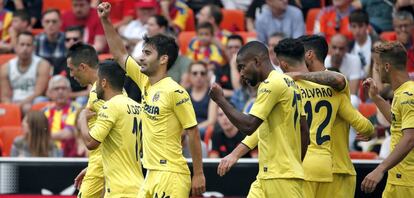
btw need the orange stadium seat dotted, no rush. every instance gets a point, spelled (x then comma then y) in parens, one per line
(363, 155)
(62, 5)
(190, 23)
(184, 39)
(10, 115)
(310, 20)
(6, 57)
(7, 135)
(388, 36)
(367, 109)
(233, 20)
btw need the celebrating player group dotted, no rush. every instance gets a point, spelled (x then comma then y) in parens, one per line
(300, 121)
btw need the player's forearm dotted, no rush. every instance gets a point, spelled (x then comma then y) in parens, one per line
(333, 79)
(400, 151)
(243, 122)
(115, 43)
(240, 151)
(87, 139)
(383, 106)
(227, 93)
(195, 149)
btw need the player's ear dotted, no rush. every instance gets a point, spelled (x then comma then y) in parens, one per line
(104, 83)
(163, 60)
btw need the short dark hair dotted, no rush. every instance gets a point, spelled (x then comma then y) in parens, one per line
(113, 73)
(50, 10)
(359, 16)
(254, 48)
(23, 15)
(75, 28)
(235, 37)
(394, 53)
(83, 53)
(205, 25)
(27, 33)
(165, 45)
(317, 44)
(215, 12)
(290, 49)
(161, 21)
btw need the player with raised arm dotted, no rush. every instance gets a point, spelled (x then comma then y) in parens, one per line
(117, 130)
(400, 163)
(167, 111)
(83, 63)
(279, 107)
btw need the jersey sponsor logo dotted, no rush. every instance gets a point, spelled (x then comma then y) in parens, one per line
(133, 109)
(161, 196)
(290, 83)
(179, 91)
(163, 161)
(101, 114)
(151, 109)
(407, 102)
(264, 90)
(156, 97)
(407, 93)
(182, 101)
(317, 92)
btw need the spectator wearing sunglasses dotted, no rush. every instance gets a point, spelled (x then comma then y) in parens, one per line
(50, 44)
(205, 109)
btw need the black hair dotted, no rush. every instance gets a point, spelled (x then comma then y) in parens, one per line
(83, 53)
(75, 28)
(113, 73)
(254, 48)
(50, 11)
(161, 21)
(205, 25)
(27, 33)
(165, 45)
(359, 16)
(235, 37)
(23, 15)
(317, 44)
(291, 49)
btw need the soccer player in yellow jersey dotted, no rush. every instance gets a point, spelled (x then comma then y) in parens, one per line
(117, 129)
(322, 104)
(278, 104)
(83, 65)
(400, 163)
(344, 175)
(167, 112)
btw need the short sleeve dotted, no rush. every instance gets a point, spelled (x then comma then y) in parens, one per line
(268, 96)
(183, 108)
(106, 119)
(133, 70)
(252, 140)
(407, 110)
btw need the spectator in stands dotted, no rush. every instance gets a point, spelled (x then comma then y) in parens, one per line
(225, 138)
(334, 19)
(205, 109)
(35, 141)
(212, 14)
(176, 12)
(33, 8)
(278, 16)
(24, 77)
(62, 113)
(227, 75)
(236, 4)
(403, 22)
(363, 42)
(271, 43)
(380, 14)
(5, 21)
(201, 48)
(50, 44)
(348, 64)
(135, 30)
(20, 23)
(82, 14)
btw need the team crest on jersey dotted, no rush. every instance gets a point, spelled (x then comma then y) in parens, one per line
(156, 97)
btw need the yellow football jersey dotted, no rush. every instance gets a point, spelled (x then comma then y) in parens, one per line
(95, 168)
(322, 104)
(167, 110)
(118, 129)
(402, 110)
(280, 146)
